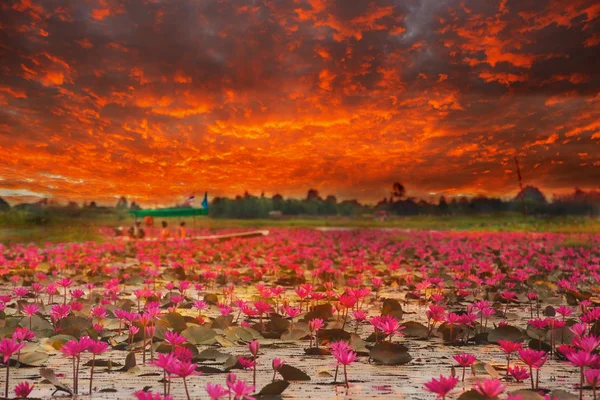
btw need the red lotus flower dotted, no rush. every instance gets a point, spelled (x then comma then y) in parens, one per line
(441, 386)
(490, 388)
(23, 389)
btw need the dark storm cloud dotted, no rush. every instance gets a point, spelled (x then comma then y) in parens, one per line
(283, 95)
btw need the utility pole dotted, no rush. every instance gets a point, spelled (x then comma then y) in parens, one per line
(521, 186)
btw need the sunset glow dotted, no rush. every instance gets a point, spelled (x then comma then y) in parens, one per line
(154, 99)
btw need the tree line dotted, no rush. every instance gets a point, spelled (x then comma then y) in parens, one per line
(530, 201)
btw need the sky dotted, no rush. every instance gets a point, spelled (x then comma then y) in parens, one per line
(156, 99)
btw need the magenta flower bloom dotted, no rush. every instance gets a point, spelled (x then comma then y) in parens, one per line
(490, 388)
(441, 386)
(241, 390)
(183, 369)
(518, 373)
(254, 346)
(215, 392)
(587, 343)
(149, 395)
(593, 376)
(508, 346)
(30, 309)
(174, 338)
(582, 358)
(246, 363)
(23, 334)
(277, 363)
(464, 359)
(345, 357)
(8, 347)
(23, 389)
(533, 358)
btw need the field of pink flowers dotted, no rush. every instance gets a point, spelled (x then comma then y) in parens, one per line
(304, 314)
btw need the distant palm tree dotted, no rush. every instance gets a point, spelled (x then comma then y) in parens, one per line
(398, 191)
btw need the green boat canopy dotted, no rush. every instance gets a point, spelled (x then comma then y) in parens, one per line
(169, 212)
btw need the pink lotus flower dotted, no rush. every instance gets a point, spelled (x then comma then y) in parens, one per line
(23, 389)
(183, 369)
(215, 392)
(8, 347)
(490, 388)
(174, 338)
(246, 363)
(241, 390)
(254, 346)
(464, 360)
(518, 373)
(441, 386)
(277, 363)
(95, 347)
(345, 356)
(149, 395)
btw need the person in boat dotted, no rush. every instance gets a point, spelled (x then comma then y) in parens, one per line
(164, 231)
(136, 231)
(149, 221)
(181, 233)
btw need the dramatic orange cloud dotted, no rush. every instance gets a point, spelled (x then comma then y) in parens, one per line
(154, 99)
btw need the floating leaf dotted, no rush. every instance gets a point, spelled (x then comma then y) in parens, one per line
(294, 334)
(322, 311)
(390, 353)
(102, 363)
(129, 362)
(32, 359)
(359, 345)
(211, 299)
(75, 326)
(58, 341)
(274, 388)
(333, 335)
(50, 376)
(316, 351)
(290, 373)
(173, 321)
(392, 307)
(472, 395)
(506, 332)
(560, 394)
(414, 329)
(39, 326)
(223, 341)
(231, 363)
(213, 355)
(539, 345)
(481, 368)
(277, 324)
(526, 394)
(199, 334)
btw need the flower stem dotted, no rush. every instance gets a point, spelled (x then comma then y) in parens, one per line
(92, 372)
(187, 393)
(7, 376)
(346, 376)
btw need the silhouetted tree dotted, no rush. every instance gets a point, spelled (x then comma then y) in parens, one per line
(277, 201)
(313, 194)
(4, 206)
(443, 205)
(398, 191)
(134, 206)
(122, 203)
(531, 194)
